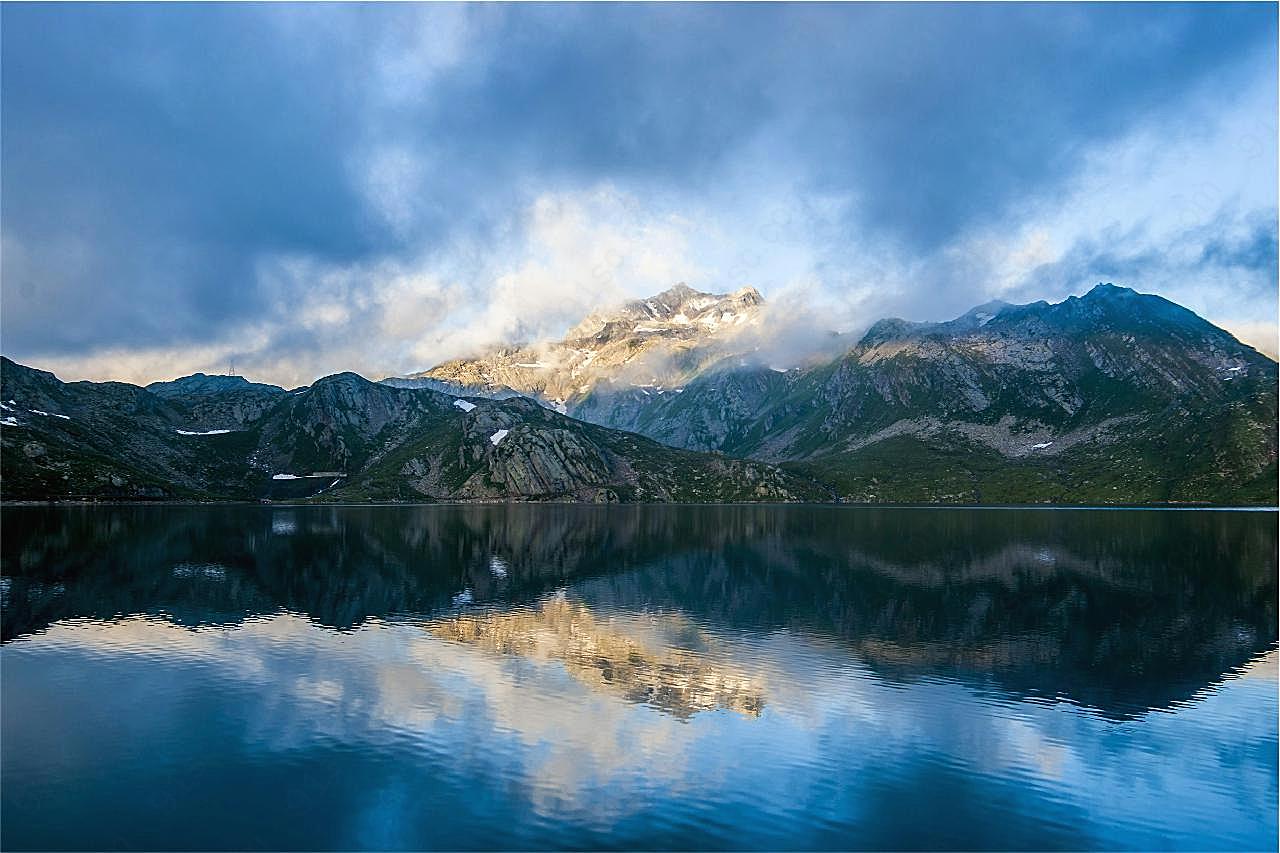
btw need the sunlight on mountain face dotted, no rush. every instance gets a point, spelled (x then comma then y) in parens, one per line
(653, 345)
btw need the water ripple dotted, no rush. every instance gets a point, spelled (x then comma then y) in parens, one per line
(751, 679)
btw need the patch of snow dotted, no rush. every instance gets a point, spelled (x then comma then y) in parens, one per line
(6, 407)
(206, 432)
(10, 421)
(49, 414)
(983, 319)
(1235, 369)
(285, 477)
(498, 567)
(215, 571)
(647, 329)
(678, 390)
(464, 405)
(779, 369)
(1041, 446)
(498, 436)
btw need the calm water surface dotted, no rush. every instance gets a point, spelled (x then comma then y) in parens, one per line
(566, 676)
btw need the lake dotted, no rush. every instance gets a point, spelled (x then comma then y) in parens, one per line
(270, 677)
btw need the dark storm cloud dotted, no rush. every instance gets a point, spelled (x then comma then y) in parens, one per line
(943, 117)
(154, 156)
(1256, 250)
(1228, 262)
(931, 116)
(148, 154)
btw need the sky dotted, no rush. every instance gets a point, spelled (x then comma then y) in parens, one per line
(305, 189)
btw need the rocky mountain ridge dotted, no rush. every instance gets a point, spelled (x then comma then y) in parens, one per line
(645, 343)
(1069, 401)
(1113, 397)
(343, 438)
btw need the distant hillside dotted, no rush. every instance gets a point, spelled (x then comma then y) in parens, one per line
(1111, 397)
(343, 438)
(1114, 397)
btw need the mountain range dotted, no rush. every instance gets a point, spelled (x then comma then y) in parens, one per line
(1113, 397)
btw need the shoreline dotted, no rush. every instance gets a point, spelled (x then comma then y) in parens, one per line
(1168, 507)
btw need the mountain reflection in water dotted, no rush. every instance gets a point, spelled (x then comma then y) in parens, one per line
(1122, 611)
(597, 653)
(524, 676)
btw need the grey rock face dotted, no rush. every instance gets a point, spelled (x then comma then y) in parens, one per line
(646, 345)
(1112, 397)
(1113, 380)
(344, 438)
(1112, 353)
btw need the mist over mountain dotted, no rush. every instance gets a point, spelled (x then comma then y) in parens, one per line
(388, 187)
(1031, 402)
(653, 343)
(1114, 397)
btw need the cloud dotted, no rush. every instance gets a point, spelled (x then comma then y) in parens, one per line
(575, 252)
(561, 749)
(1188, 212)
(393, 185)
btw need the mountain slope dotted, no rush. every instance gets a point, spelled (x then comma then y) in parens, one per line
(1114, 396)
(107, 439)
(218, 402)
(343, 438)
(643, 344)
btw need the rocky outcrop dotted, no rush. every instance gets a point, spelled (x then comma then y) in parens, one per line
(344, 439)
(1113, 396)
(217, 402)
(647, 345)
